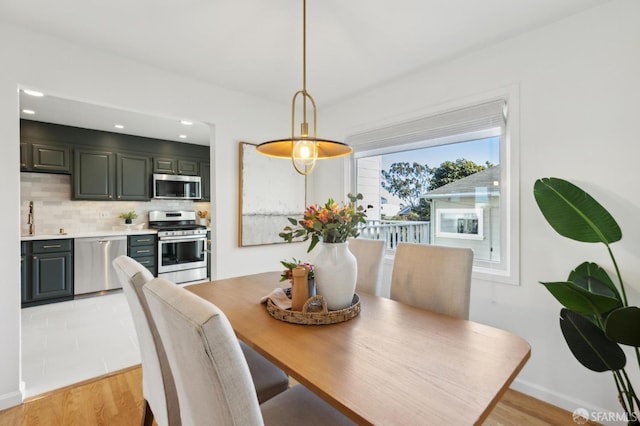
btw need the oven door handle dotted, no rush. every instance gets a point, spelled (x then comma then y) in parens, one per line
(184, 238)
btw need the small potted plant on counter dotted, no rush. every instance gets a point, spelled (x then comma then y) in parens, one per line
(128, 216)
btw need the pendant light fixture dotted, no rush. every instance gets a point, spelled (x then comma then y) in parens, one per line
(305, 148)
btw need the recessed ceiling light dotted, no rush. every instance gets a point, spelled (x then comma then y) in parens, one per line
(28, 111)
(33, 93)
(119, 126)
(182, 136)
(186, 122)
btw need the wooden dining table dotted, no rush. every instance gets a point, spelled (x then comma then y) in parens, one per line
(393, 364)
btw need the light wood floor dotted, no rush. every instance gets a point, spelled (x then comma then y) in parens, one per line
(116, 400)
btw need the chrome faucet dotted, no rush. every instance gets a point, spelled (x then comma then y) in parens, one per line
(30, 219)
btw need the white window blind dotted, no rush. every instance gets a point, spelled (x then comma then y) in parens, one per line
(475, 122)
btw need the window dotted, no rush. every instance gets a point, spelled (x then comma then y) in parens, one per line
(446, 179)
(459, 223)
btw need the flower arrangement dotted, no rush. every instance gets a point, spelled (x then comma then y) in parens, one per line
(287, 274)
(202, 214)
(334, 223)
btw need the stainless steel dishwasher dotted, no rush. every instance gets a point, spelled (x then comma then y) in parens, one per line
(93, 271)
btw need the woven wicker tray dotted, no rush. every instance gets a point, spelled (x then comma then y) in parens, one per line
(314, 311)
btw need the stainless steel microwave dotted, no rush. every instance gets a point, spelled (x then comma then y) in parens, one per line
(177, 187)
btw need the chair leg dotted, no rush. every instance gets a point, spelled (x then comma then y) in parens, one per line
(147, 414)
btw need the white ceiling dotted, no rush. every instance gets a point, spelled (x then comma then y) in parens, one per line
(51, 109)
(255, 46)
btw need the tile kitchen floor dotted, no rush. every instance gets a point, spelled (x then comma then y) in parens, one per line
(68, 342)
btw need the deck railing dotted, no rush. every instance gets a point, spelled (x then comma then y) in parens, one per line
(396, 231)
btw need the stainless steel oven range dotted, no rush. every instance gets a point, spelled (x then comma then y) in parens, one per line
(182, 243)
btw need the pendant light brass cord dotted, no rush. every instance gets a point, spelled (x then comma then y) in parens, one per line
(305, 149)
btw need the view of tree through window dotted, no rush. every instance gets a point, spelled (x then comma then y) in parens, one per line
(445, 195)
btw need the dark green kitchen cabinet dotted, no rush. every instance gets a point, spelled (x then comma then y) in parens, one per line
(175, 166)
(51, 158)
(166, 166)
(47, 271)
(143, 249)
(93, 175)
(133, 177)
(187, 167)
(108, 176)
(205, 176)
(45, 157)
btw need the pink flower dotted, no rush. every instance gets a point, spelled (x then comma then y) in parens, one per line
(311, 210)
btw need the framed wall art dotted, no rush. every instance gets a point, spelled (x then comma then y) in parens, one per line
(270, 192)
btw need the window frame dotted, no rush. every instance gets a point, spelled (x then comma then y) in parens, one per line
(508, 270)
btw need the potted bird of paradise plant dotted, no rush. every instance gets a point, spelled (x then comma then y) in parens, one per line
(596, 317)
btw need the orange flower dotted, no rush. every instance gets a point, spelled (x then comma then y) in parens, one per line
(323, 216)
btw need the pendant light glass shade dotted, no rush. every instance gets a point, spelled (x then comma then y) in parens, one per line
(304, 149)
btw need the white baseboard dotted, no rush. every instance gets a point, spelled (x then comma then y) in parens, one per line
(561, 400)
(12, 399)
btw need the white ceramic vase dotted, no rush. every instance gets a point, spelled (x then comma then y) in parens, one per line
(335, 274)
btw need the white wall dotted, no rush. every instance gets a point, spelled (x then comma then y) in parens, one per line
(72, 71)
(579, 108)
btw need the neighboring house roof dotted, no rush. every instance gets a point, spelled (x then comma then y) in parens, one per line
(405, 211)
(468, 186)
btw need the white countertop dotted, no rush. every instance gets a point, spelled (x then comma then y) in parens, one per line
(88, 234)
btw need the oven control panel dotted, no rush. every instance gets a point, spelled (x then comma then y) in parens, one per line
(183, 232)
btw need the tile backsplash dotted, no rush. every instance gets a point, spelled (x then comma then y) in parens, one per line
(54, 209)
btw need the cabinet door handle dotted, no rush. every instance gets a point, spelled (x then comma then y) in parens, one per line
(146, 262)
(143, 251)
(144, 241)
(53, 246)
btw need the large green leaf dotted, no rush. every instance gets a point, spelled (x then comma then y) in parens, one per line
(573, 213)
(577, 299)
(623, 326)
(593, 278)
(589, 344)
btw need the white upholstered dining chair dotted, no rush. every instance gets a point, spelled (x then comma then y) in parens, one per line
(158, 386)
(369, 255)
(212, 377)
(433, 277)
